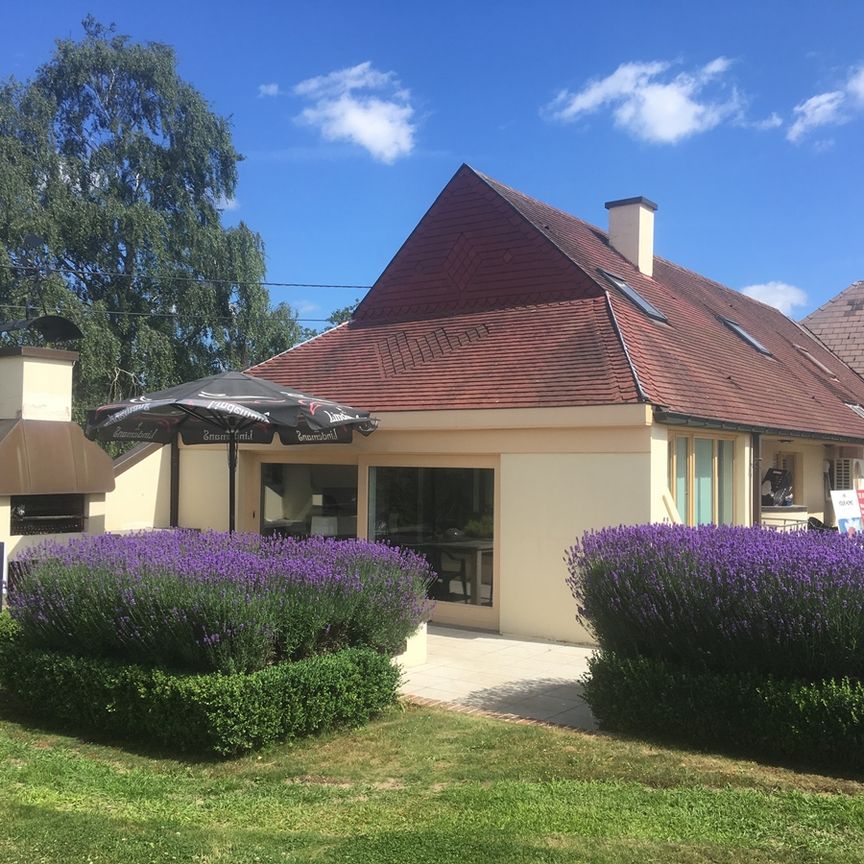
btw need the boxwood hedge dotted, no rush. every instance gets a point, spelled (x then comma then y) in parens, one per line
(205, 713)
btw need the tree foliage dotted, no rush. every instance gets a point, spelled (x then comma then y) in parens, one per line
(342, 314)
(113, 175)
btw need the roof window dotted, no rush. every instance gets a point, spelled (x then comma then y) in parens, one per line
(752, 341)
(802, 350)
(635, 297)
(856, 408)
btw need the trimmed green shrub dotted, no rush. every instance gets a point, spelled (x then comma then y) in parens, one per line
(818, 722)
(215, 713)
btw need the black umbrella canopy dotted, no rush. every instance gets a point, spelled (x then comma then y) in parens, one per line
(210, 409)
(230, 408)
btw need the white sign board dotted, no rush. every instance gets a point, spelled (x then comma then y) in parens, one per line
(847, 510)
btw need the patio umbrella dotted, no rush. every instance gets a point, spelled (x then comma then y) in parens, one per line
(230, 407)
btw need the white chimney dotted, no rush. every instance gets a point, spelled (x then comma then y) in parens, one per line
(631, 231)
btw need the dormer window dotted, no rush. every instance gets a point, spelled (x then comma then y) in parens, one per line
(634, 297)
(739, 331)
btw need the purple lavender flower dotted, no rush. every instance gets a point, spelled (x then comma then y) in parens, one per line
(725, 598)
(210, 601)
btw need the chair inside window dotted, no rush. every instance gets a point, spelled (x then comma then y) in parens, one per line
(453, 566)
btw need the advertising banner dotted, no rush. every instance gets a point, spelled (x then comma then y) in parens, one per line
(847, 510)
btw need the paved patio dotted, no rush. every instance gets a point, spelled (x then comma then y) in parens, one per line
(523, 677)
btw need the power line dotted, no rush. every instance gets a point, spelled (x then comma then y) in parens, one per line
(111, 274)
(178, 315)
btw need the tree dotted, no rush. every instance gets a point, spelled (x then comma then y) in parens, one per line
(343, 314)
(113, 173)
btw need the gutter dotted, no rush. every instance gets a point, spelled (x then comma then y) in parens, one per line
(661, 415)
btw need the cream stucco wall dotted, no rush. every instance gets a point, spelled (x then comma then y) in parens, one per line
(204, 489)
(142, 493)
(15, 544)
(558, 473)
(547, 501)
(37, 385)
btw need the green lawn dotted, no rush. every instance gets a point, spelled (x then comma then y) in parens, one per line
(418, 785)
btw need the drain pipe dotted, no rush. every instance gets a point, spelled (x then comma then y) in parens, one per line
(756, 476)
(174, 499)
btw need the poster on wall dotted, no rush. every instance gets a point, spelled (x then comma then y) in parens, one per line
(847, 511)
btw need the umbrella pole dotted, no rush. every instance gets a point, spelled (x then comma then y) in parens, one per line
(232, 476)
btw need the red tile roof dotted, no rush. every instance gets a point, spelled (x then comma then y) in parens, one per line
(495, 300)
(839, 323)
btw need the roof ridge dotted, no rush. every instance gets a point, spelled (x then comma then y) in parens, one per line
(831, 301)
(492, 181)
(306, 341)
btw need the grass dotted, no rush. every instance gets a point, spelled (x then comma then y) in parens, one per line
(417, 785)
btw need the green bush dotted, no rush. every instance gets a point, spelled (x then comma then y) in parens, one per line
(215, 713)
(818, 722)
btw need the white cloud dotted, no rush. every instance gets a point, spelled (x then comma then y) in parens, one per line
(832, 108)
(772, 121)
(826, 109)
(364, 106)
(265, 90)
(855, 84)
(780, 295)
(307, 307)
(226, 204)
(652, 105)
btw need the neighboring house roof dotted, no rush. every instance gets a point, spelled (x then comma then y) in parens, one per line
(839, 323)
(495, 300)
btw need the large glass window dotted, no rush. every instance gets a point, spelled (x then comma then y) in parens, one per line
(299, 500)
(447, 515)
(701, 478)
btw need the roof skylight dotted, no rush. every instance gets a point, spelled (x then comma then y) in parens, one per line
(635, 297)
(856, 408)
(752, 341)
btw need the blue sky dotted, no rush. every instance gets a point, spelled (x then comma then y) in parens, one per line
(742, 120)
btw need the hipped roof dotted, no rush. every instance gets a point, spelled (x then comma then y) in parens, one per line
(496, 300)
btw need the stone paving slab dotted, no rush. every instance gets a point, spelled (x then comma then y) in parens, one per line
(528, 679)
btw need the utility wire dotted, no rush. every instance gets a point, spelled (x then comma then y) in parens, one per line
(109, 274)
(186, 317)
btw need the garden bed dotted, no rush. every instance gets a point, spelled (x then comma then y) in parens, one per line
(727, 637)
(211, 642)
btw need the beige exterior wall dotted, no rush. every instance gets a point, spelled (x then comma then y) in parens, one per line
(15, 543)
(34, 387)
(142, 494)
(547, 501)
(204, 489)
(557, 474)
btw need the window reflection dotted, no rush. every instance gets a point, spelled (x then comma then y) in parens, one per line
(300, 500)
(445, 514)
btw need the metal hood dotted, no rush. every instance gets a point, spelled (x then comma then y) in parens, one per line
(49, 457)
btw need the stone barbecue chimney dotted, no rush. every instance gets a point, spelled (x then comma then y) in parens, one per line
(631, 231)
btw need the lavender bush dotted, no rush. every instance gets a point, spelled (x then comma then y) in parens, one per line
(725, 598)
(218, 602)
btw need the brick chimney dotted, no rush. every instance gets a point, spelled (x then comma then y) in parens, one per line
(631, 231)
